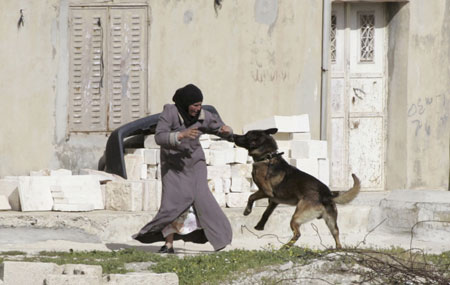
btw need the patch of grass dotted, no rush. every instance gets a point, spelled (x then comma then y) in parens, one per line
(224, 266)
(213, 268)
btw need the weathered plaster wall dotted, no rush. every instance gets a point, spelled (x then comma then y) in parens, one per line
(428, 105)
(28, 56)
(397, 57)
(254, 59)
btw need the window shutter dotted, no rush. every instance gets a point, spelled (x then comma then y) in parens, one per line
(127, 64)
(87, 105)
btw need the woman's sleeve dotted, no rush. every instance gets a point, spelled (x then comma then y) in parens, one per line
(214, 124)
(164, 135)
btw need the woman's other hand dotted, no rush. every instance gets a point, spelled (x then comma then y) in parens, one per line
(192, 133)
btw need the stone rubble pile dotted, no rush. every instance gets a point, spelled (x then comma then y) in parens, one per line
(229, 174)
(15, 272)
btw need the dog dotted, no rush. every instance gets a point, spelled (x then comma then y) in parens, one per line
(283, 183)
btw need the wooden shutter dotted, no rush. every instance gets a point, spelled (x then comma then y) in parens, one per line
(87, 105)
(127, 64)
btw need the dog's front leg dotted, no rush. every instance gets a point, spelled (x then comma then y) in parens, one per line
(252, 198)
(272, 205)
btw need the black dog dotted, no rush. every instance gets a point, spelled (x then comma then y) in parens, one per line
(282, 183)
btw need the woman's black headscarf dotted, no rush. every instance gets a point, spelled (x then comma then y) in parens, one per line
(183, 98)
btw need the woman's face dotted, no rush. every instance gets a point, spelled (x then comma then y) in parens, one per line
(194, 109)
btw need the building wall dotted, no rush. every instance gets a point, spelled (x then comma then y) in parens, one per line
(428, 89)
(252, 59)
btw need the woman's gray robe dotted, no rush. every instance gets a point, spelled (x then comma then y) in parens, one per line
(184, 182)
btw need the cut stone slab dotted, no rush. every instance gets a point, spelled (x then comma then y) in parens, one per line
(80, 189)
(4, 204)
(73, 207)
(102, 176)
(150, 142)
(82, 269)
(237, 200)
(133, 166)
(61, 279)
(13, 272)
(284, 124)
(124, 195)
(141, 279)
(10, 188)
(309, 149)
(60, 172)
(34, 192)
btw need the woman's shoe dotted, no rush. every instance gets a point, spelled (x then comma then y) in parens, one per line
(165, 249)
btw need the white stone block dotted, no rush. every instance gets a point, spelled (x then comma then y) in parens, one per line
(150, 142)
(124, 195)
(207, 156)
(279, 136)
(300, 136)
(4, 203)
(204, 137)
(80, 189)
(159, 173)
(310, 166)
(230, 155)
(220, 145)
(151, 156)
(151, 195)
(82, 269)
(205, 143)
(42, 172)
(103, 189)
(10, 188)
(220, 198)
(254, 187)
(135, 151)
(218, 157)
(262, 203)
(65, 207)
(144, 171)
(63, 279)
(285, 124)
(240, 184)
(309, 149)
(60, 172)
(226, 182)
(138, 278)
(241, 170)
(34, 192)
(283, 144)
(237, 200)
(240, 155)
(133, 166)
(152, 172)
(15, 272)
(324, 171)
(216, 185)
(102, 176)
(219, 171)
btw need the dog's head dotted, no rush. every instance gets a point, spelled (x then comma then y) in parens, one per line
(259, 143)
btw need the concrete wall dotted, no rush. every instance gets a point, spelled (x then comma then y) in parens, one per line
(252, 59)
(419, 95)
(428, 104)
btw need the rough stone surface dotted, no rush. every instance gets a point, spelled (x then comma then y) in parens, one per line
(141, 279)
(16, 273)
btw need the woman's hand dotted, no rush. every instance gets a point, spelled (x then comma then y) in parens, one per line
(192, 133)
(225, 130)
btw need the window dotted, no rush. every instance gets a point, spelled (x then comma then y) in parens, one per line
(108, 67)
(333, 38)
(367, 32)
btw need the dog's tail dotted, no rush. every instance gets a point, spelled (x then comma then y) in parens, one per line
(348, 196)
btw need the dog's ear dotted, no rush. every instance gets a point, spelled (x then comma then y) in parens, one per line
(271, 131)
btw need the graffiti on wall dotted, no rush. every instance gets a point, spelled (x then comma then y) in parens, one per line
(419, 112)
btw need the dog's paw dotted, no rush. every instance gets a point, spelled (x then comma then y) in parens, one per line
(247, 211)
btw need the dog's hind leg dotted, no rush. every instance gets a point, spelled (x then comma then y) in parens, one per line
(304, 213)
(252, 198)
(272, 205)
(330, 217)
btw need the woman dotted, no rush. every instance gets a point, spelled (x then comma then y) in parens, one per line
(184, 176)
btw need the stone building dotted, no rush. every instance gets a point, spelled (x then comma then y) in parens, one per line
(373, 76)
